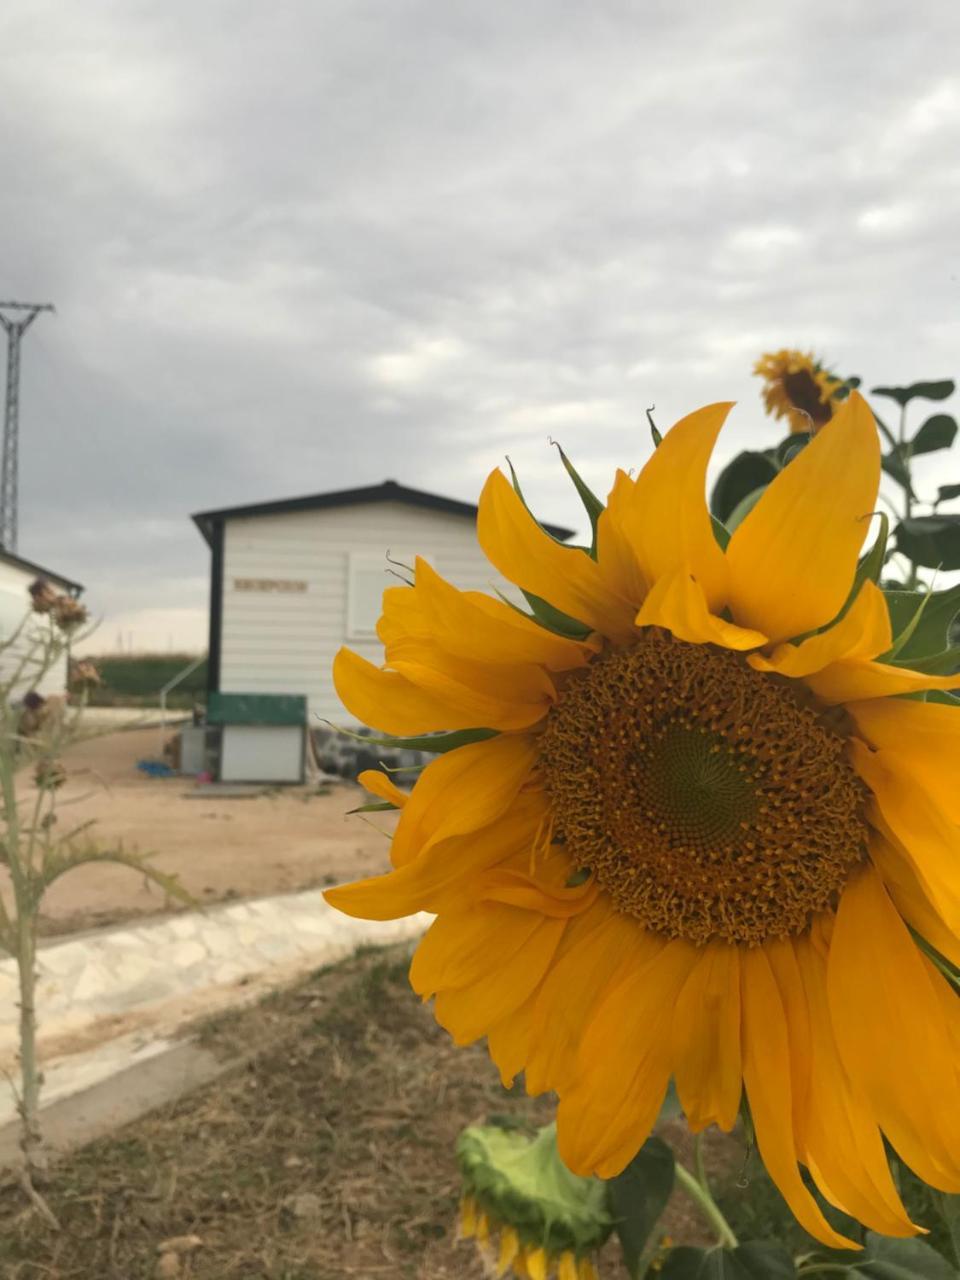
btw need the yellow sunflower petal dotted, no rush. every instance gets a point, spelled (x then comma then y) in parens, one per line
(536, 1260)
(863, 632)
(567, 578)
(793, 559)
(442, 876)
(389, 702)
(616, 555)
(894, 1045)
(678, 604)
(462, 791)
(380, 784)
(841, 1141)
(567, 1268)
(509, 1248)
(496, 696)
(923, 831)
(470, 1011)
(926, 736)
(767, 1077)
(468, 1217)
(606, 1115)
(522, 890)
(667, 520)
(705, 1039)
(597, 946)
(468, 624)
(862, 681)
(782, 956)
(911, 897)
(509, 1040)
(455, 950)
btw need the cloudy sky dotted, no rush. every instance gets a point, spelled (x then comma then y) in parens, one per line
(317, 243)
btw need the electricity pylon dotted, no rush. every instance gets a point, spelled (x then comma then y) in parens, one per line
(9, 468)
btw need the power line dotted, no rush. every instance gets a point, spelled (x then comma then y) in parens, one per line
(9, 467)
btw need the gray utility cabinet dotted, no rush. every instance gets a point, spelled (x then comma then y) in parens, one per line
(263, 736)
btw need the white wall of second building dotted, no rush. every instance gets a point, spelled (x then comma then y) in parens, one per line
(14, 605)
(298, 585)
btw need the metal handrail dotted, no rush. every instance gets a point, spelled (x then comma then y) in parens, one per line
(171, 685)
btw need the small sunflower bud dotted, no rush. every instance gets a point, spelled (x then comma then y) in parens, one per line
(529, 1215)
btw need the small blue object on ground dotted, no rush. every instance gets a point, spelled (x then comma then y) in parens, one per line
(155, 768)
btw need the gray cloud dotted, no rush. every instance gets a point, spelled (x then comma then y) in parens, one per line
(310, 245)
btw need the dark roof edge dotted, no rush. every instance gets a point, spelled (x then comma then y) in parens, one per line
(9, 558)
(388, 491)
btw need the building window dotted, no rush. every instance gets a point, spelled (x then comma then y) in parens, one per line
(368, 576)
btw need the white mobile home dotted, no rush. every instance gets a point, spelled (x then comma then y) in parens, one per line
(16, 575)
(292, 581)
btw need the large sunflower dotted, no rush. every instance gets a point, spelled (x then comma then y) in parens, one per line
(705, 836)
(797, 388)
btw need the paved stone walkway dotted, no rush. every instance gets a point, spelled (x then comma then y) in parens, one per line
(114, 976)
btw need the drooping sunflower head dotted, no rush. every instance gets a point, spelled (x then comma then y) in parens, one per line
(798, 388)
(690, 818)
(529, 1215)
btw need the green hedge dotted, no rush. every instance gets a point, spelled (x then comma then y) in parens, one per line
(137, 678)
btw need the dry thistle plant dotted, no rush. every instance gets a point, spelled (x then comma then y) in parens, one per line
(34, 847)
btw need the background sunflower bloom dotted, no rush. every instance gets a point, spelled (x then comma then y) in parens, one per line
(700, 835)
(798, 389)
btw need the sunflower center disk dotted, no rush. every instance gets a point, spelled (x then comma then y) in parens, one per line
(708, 801)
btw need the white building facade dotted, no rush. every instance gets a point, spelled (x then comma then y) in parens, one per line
(292, 581)
(16, 575)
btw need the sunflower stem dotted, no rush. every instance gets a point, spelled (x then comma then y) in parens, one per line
(905, 458)
(698, 1162)
(707, 1206)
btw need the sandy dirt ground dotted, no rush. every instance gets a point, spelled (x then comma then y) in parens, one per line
(220, 847)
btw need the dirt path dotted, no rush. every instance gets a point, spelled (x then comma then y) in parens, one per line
(221, 848)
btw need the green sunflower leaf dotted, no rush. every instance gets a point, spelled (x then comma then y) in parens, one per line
(638, 1197)
(790, 447)
(743, 508)
(948, 1206)
(657, 436)
(556, 537)
(933, 541)
(748, 471)
(906, 635)
(942, 696)
(936, 433)
(871, 565)
(925, 620)
(922, 390)
(887, 1259)
(721, 533)
(432, 743)
(894, 464)
(945, 663)
(592, 504)
(554, 620)
(948, 491)
(757, 1260)
(376, 806)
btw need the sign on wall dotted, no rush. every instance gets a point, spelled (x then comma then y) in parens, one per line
(269, 584)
